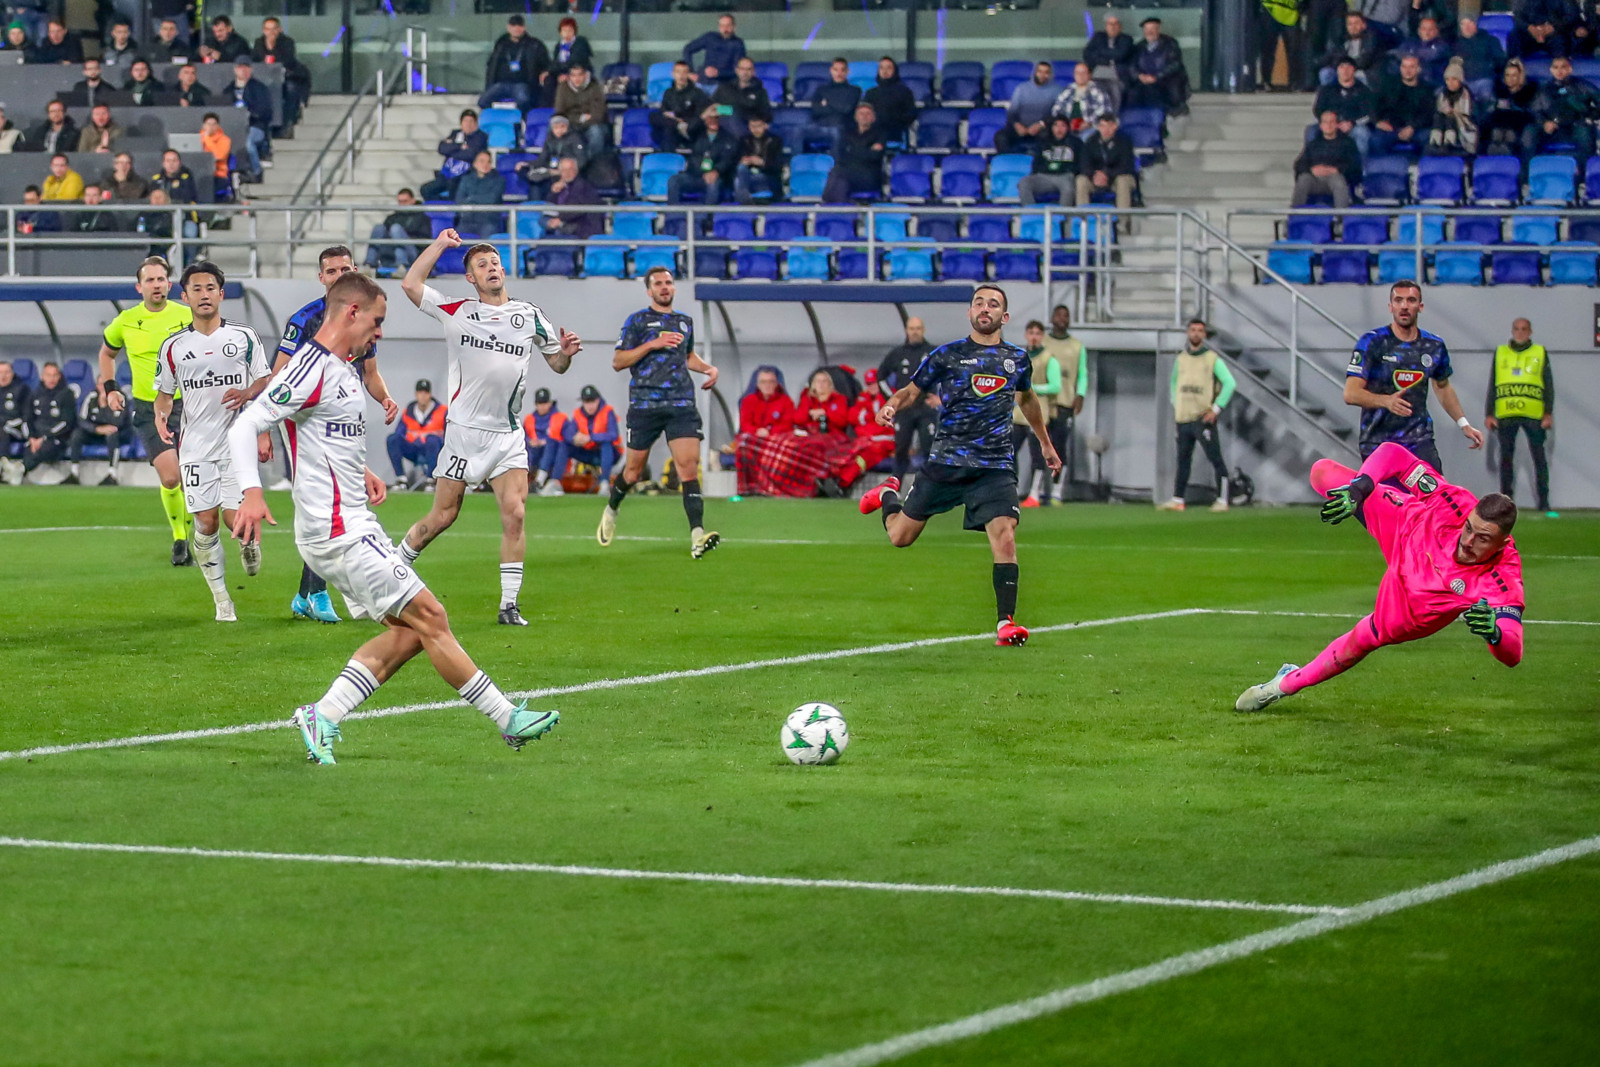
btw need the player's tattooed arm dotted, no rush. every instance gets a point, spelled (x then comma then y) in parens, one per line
(901, 400)
(561, 359)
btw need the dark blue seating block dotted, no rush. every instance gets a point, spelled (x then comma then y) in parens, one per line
(1584, 229)
(783, 227)
(1439, 178)
(1386, 179)
(1012, 266)
(757, 263)
(1365, 230)
(989, 229)
(852, 264)
(983, 124)
(1317, 229)
(1354, 268)
(711, 262)
(561, 261)
(1497, 178)
(961, 178)
(961, 83)
(939, 130)
(1515, 268)
(1478, 229)
(966, 264)
(939, 228)
(835, 227)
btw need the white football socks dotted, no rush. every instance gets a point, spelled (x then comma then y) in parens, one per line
(407, 553)
(208, 553)
(354, 684)
(510, 583)
(484, 695)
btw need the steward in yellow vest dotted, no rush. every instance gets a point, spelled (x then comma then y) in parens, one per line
(1202, 385)
(1522, 397)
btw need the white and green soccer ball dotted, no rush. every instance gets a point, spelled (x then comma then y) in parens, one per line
(814, 733)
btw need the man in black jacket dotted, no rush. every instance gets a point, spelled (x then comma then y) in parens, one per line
(14, 411)
(1562, 112)
(1107, 163)
(1330, 165)
(57, 133)
(52, 413)
(406, 223)
(92, 216)
(1110, 58)
(1159, 77)
(93, 84)
(712, 160)
(223, 45)
(99, 425)
(893, 100)
(560, 142)
(1350, 100)
(760, 172)
(916, 421)
(832, 105)
(1055, 164)
(1360, 44)
(676, 123)
(743, 97)
(1404, 110)
(857, 160)
(459, 149)
(276, 47)
(518, 66)
(58, 47)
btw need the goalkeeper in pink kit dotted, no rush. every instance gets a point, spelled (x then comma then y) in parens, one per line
(1450, 555)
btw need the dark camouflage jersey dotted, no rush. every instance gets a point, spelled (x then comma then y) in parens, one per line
(303, 326)
(977, 386)
(1390, 365)
(661, 378)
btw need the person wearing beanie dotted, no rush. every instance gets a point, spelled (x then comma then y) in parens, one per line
(1455, 129)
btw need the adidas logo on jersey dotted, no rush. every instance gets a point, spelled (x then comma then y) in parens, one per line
(490, 345)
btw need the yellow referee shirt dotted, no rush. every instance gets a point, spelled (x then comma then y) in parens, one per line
(141, 331)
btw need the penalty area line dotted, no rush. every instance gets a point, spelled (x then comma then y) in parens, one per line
(668, 876)
(1193, 962)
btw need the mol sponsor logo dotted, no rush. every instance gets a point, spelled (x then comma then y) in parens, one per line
(1405, 379)
(987, 384)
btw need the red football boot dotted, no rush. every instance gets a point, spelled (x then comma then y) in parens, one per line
(1009, 633)
(872, 499)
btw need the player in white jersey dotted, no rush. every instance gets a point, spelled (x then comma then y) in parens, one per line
(490, 340)
(320, 394)
(203, 361)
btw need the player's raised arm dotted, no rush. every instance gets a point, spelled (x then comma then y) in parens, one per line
(1452, 407)
(416, 278)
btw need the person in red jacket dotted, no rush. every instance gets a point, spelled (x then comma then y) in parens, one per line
(822, 410)
(591, 433)
(767, 410)
(871, 444)
(547, 452)
(418, 438)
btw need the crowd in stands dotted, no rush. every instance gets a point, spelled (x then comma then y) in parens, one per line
(65, 202)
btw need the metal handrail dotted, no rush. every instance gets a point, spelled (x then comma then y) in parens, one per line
(319, 175)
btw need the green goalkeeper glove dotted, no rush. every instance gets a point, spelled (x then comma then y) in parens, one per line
(1481, 621)
(1342, 503)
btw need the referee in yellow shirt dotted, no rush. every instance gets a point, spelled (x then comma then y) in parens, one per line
(140, 330)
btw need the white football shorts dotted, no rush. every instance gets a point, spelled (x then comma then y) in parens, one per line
(208, 485)
(471, 455)
(362, 564)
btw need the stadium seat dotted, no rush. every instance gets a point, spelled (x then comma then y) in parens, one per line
(636, 129)
(654, 171)
(808, 77)
(1005, 75)
(836, 227)
(646, 258)
(506, 164)
(78, 375)
(1573, 263)
(536, 127)
(711, 262)
(1584, 229)
(989, 229)
(1086, 228)
(1030, 227)
(938, 130)
(500, 126)
(530, 226)
(1006, 173)
(918, 76)
(891, 226)
(635, 85)
(789, 126)
(1496, 179)
(774, 77)
(910, 264)
(1453, 266)
(1439, 179)
(28, 371)
(733, 228)
(1591, 179)
(939, 228)
(1294, 261)
(911, 177)
(982, 124)
(658, 81)
(863, 73)
(1354, 268)
(1316, 229)
(1432, 228)
(961, 84)
(1386, 180)
(634, 226)
(756, 263)
(961, 178)
(556, 261)
(1498, 25)
(605, 259)
(1145, 127)
(783, 227)
(1365, 230)
(1395, 264)
(808, 263)
(852, 264)
(1147, 140)
(1478, 229)
(964, 264)
(1552, 180)
(1015, 266)
(1515, 268)
(807, 175)
(1535, 228)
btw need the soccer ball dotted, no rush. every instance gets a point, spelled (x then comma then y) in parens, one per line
(814, 733)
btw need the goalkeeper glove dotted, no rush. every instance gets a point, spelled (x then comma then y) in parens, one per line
(1345, 501)
(1481, 621)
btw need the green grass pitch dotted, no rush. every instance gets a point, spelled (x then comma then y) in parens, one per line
(1102, 760)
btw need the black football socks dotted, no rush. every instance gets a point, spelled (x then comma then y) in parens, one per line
(694, 505)
(1005, 590)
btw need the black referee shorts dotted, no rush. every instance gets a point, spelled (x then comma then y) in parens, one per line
(987, 492)
(144, 424)
(644, 426)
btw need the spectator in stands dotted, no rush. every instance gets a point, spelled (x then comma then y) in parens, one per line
(1159, 77)
(406, 223)
(36, 221)
(1324, 31)
(1503, 129)
(1329, 165)
(570, 49)
(713, 158)
(1047, 375)
(17, 48)
(723, 49)
(99, 425)
(91, 218)
(1279, 20)
(1404, 111)
(418, 437)
(223, 45)
(102, 133)
(1055, 165)
(215, 141)
(767, 410)
(63, 183)
(1431, 50)
(93, 83)
(1455, 127)
(277, 48)
(1360, 44)
(547, 452)
(247, 93)
(857, 160)
(1541, 27)
(14, 407)
(190, 92)
(142, 85)
(559, 143)
(169, 47)
(1082, 102)
(916, 422)
(122, 183)
(743, 97)
(175, 180)
(676, 123)
(581, 99)
(1482, 59)
(118, 53)
(459, 149)
(592, 434)
(760, 172)
(52, 414)
(832, 104)
(1351, 101)
(1107, 163)
(1028, 111)
(893, 101)
(156, 224)
(572, 188)
(57, 133)
(59, 46)
(1565, 109)
(1388, 18)
(481, 185)
(822, 410)
(9, 134)
(1109, 55)
(518, 68)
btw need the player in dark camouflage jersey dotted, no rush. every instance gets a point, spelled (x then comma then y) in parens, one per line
(1388, 379)
(978, 380)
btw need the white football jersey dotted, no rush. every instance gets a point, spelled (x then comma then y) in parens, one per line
(489, 348)
(202, 367)
(320, 395)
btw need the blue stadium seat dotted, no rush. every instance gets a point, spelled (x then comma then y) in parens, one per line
(1574, 263)
(1386, 180)
(852, 264)
(982, 124)
(863, 73)
(1030, 227)
(1293, 260)
(1453, 266)
(1432, 228)
(835, 227)
(891, 226)
(28, 371)
(1005, 75)
(558, 261)
(1498, 25)
(727, 227)
(964, 264)
(654, 171)
(628, 225)
(989, 229)
(1365, 230)
(808, 263)
(911, 177)
(506, 164)
(1478, 229)
(1014, 266)
(961, 84)
(1087, 228)
(1395, 264)
(646, 258)
(1316, 229)
(711, 262)
(918, 76)
(1591, 179)
(605, 259)
(774, 77)
(536, 127)
(635, 129)
(1439, 179)
(942, 229)
(500, 125)
(938, 130)
(1063, 266)
(1497, 179)
(807, 78)
(757, 263)
(530, 226)
(1515, 268)
(783, 227)
(1535, 228)
(78, 375)
(911, 264)
(1006, 173)
(1143, 118)
(1353, 268)
(1584, 229)
(635, 75)
(1146, 139)
(1552, 180)
(658, 81)
(807, 175)
(961, 178)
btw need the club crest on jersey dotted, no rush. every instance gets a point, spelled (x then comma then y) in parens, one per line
(987, 384)
(1427, 360)
(1010, 365)
(518, 322)
(280, 394)
(1405, 378)
(1457, 586)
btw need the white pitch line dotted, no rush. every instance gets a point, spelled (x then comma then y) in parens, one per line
(588, 687)
(1193, 962)
(671, 876)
